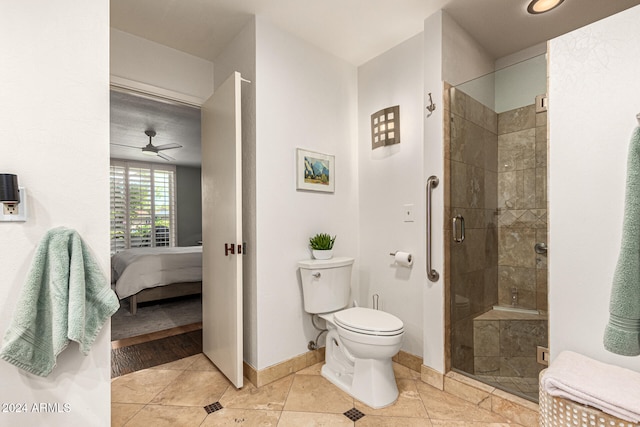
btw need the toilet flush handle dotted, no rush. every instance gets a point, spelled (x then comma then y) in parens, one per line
(316, 275)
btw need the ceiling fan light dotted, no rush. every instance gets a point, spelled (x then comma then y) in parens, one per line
(148, 152)
(542, 6)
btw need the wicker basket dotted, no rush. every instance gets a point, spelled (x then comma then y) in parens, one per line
(559, 412)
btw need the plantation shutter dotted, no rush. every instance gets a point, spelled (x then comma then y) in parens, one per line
(119, 233)
(142, 205)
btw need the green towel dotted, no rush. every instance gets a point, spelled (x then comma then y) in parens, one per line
(622, 334)
(65, 297)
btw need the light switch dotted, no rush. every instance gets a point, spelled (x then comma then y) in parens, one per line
(407, 213)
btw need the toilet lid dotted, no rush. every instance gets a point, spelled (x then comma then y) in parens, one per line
(368, 321)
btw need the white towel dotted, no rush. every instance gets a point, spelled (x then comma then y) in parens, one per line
(610, 388)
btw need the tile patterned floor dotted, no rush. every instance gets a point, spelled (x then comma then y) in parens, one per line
(192, 392)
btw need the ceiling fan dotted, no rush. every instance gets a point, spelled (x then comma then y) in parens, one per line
(153, 150)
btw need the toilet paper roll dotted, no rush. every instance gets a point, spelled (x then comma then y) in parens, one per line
(404, 259)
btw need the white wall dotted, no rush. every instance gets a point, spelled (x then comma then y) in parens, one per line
(450, 55)
(594, 94)
(305, 98)
(54, 135)
(433, 293)
(463, 58)
(143, 65)
(391, 177)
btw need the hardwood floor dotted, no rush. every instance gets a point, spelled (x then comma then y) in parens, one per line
(145, 351)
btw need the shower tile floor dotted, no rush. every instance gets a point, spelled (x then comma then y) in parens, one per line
(525, 386)
(192, 392)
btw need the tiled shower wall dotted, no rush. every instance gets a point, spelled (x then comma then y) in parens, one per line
(497, 170)
(522, 207)
(473, 174)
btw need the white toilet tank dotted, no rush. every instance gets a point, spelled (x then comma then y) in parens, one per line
(326, 284)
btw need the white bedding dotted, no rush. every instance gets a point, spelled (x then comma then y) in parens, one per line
(133, 270)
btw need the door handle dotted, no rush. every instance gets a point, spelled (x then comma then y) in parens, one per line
(454, 228)
(230, 248)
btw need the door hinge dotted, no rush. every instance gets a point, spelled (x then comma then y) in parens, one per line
(542, 103)
(542, 355)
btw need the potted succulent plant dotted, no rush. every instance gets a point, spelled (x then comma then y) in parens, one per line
(322, 245)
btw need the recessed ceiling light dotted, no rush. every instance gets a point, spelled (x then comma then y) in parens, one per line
(542, 6)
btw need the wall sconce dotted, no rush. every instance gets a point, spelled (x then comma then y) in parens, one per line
(13, 199)
(385, 127)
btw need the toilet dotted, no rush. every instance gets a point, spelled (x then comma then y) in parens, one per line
(360, 341)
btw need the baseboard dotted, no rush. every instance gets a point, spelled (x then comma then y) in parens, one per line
(408, 360)
(282, 369)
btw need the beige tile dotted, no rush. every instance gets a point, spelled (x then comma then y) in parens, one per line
(250, 373)
(518, 410)
(452, 423)
(202, 363)
(409, 403)
(242, 417)
(409, 360)
(315, 356)
(477, 396)
(312, 370)
(313, 393)
(282, 369)
(269, 397)
(193, 388)
(311, 419)
(378, 421)
(517, 119)
(123, 412)
(404, 372)
(180, 364)
(141, 386)
(169, 416)
(444, 406)
(486, 338)
(432, 377)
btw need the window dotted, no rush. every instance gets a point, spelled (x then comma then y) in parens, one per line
(143, 204)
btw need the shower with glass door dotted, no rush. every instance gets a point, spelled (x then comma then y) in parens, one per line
(496, 232)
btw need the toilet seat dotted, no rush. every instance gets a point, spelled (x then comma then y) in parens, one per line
(367, 321)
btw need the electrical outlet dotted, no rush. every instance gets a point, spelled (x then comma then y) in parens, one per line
(15, 212)
(407, 213)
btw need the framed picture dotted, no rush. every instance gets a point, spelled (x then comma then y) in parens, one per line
(315, 171)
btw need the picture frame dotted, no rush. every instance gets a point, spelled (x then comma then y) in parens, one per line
(315, 171)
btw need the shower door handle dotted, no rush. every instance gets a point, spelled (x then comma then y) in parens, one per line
(432, 183)
(458, 238)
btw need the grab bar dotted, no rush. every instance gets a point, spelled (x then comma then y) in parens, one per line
(432, 183)
(454, 228)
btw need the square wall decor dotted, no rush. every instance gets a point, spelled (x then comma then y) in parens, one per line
(315, 171)
(385, 127)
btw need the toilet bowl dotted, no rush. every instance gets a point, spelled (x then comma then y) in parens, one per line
(360, 341)
(359, 351)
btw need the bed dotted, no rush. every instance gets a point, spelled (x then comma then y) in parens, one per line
(151, 274)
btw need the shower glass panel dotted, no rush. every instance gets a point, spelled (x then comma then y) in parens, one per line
(497, 227)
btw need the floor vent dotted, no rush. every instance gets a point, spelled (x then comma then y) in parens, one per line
(353, 414)
(213, 407)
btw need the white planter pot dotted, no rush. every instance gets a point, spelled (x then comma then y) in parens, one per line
(322, 254)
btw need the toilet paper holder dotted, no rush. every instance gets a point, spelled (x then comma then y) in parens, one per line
(405, 259)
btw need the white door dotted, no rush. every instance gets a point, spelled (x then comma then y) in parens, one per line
(222, 229)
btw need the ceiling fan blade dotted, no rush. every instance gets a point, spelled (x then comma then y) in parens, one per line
(164, 156)
(168, 146)
(123, 145)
